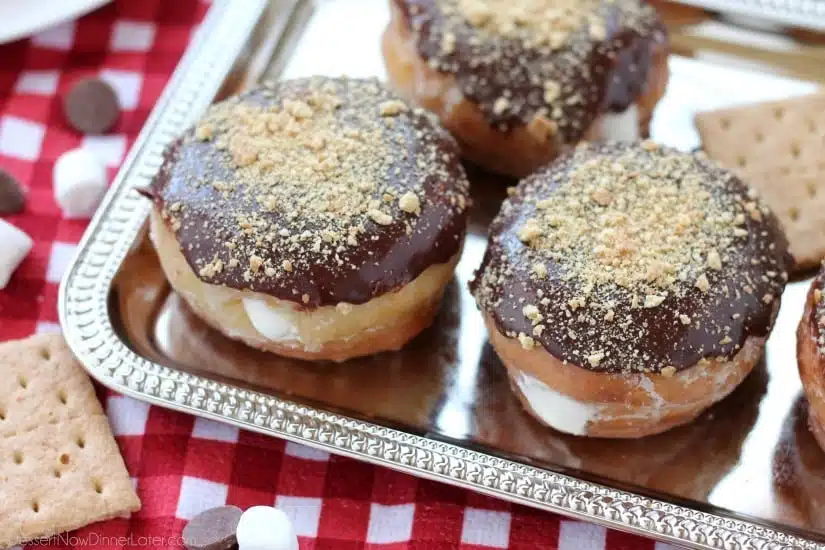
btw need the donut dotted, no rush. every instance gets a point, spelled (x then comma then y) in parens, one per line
(686, 462)
(810, 346)
(627, 287)
(518, 82)
(404, 387)
(316, 218)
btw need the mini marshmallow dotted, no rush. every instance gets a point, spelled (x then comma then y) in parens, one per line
(14, 246)
(79, 183)
(265, 528)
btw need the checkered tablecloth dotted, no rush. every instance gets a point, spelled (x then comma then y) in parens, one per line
(182, 465)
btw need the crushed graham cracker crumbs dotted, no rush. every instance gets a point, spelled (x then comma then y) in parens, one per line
(203, 132)
(653, 300)
(714, 260)
(392, 107)
(657, 277)
(595, 358)
(539, 60)
(301, 189)
(526, 342)
(409, 203)
(702, 283)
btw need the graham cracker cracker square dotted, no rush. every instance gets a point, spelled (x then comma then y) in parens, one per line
(798, 200)
(778, 148)
(60, 468)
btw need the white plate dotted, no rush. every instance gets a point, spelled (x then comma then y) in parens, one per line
(21, 18)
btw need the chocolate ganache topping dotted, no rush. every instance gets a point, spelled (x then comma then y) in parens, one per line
(318, 191)
(629, 258)
(565, 61)
(818, 318)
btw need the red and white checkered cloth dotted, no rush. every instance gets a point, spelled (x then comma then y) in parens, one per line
(182, 465)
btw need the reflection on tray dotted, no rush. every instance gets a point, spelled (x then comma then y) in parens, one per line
(799, 470)
(447, 383)
(401, 386)
(431, 387)
(687, 462)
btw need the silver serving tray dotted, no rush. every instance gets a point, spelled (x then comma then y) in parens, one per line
(808, 14)
(439, 409)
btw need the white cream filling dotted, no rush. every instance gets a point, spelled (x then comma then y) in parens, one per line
(556, 409)
(622, 126)
(272, 323)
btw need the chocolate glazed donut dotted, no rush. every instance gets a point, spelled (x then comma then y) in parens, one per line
(627, 288)
(811, 356)
(519, 82)
(316, 218)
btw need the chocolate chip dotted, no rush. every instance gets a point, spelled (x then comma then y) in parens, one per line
(12, 197)
(213, 529)
(91, 106)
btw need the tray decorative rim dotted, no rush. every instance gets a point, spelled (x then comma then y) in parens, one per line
(85, 317)
(799, 13)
